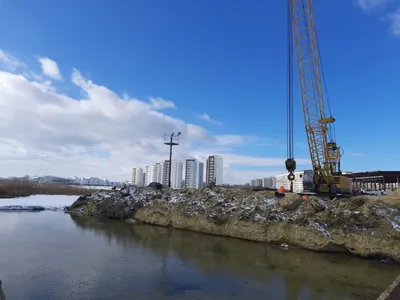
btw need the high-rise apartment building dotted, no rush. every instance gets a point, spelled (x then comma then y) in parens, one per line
(214, 169)
(194, 173)
(176, 174)
(158, 172)
(269, 182)
(138, 176)
(149, 175)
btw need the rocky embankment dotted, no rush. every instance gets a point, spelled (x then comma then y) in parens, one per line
(361, 225)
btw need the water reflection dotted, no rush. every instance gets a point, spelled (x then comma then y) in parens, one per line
(254, 267)
(2, 296)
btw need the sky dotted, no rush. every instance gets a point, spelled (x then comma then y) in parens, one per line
(88, 88)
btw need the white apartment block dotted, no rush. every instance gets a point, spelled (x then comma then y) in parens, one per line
(149, 176)
(176, 174)
(138, 177)
(158, 172)
(269, 182)
(194, 174)
(256, 182)
(214, 169)
(282, 180)
(94, 181)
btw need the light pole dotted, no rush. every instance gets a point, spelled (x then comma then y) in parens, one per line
(171, 140)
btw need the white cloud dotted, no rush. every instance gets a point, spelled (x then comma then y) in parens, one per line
(159, 103)
(394, 19)
(9, 62)
(243, 160)
(357, 154)
(371, 5)
(37, 122)
(49, 68)
(207, 118)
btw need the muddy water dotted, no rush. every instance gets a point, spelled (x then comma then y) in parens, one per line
(51, 255)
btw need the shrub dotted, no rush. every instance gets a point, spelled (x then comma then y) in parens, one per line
(11, 189)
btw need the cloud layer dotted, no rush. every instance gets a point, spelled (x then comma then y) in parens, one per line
(102, 133)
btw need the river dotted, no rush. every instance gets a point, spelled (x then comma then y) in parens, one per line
(52, 255)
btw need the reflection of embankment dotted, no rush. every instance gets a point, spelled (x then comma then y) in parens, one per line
(2, 296)
(336, 275)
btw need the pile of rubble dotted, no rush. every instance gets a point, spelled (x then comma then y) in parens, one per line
(364, 227)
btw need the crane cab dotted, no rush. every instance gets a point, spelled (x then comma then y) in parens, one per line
(339, 184)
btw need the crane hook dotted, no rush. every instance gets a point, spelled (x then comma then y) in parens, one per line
(290, 164)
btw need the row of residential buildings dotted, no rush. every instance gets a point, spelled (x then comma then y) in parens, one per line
(74, 180)
(269, 182)
(183, 175)
(280, 180)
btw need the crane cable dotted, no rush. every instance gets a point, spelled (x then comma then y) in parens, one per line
(332, 129)
(290, 150)
(290, 162)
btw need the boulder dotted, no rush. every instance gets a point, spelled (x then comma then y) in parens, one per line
(318, 204)
(155, 185)
(291, 201)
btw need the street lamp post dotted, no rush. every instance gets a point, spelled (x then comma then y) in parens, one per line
(171, 140)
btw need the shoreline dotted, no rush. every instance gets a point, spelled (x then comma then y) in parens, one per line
(356, 226)
(330, 249)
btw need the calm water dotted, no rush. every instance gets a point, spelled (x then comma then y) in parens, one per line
(51, 255)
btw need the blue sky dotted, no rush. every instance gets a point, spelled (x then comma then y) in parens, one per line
(226, 59)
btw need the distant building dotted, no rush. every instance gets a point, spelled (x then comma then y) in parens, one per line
(214, 170)
(94, 181)
(194, 173)
(282, 180)
(158, 172)
(253, 182)
(138, 176)
(269, 182)
(176, 174)
(53, 179)
(149, 175)
(259, 182)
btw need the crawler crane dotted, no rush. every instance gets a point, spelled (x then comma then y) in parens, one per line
(325, 177)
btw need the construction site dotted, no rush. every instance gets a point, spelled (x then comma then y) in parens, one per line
(325, 177)
(322, 209)
(363, 183)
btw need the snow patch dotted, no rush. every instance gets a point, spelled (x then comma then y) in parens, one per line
(396, 223)
(47, 201)
(321, 229)
(259, 218)
(323, 204)
(390, 214)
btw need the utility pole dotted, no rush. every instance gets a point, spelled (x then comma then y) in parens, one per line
(171, 140)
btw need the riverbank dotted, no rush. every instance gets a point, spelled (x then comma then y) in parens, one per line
(392, 292)
(16, 189)
(363, 226)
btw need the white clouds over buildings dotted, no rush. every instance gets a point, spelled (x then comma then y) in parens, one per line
(102, 134)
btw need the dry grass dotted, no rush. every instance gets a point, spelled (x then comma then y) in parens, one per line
(24, 188)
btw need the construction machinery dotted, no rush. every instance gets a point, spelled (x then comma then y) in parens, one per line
(325, 176)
